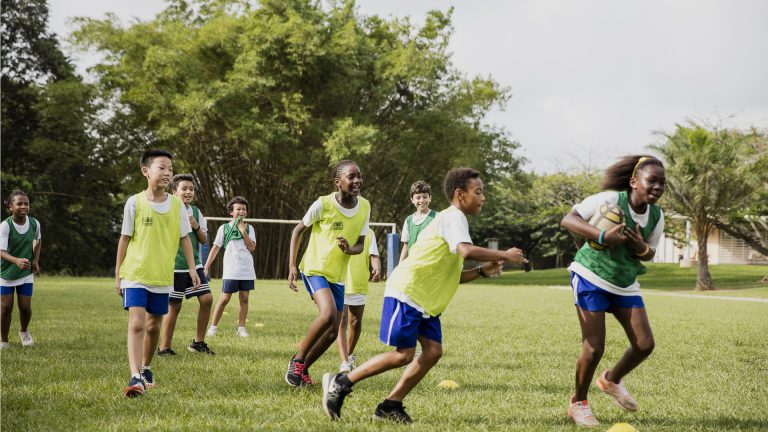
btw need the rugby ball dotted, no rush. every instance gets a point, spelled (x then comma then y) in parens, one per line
(605, 218)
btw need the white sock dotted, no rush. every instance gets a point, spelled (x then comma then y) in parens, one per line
(136, 375)
(145, 368)
(241, 328)
(213, 327)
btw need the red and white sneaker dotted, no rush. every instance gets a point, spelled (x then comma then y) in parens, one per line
(581, 414)
(617, 391)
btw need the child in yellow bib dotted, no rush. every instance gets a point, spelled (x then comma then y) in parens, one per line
(361, 268)
(338, 221)
(417, 292)
(154, 225)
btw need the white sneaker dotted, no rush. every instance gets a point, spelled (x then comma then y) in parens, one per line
(352, 360)
(345, 367)
(581, 414)
(26, 339)
(617, 391)
(211, 331)
(241, 332)
(4, 345)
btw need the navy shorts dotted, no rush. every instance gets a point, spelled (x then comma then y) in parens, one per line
(401, 325)
(231, 286)
(155, 304)
(316, 283)
(24, 289)
(182, 286)
(595, 299)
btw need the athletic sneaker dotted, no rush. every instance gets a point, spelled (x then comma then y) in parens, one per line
(211, 331)
(26, 339)
(352, 360)
(135, 388)
(333, 395)
(200, 347)
(345, 367)
(149, 379)
(295, 374)
(395, 414)
(306, 380)
(4, 345)
(166, 352)
(617, 391)
(581, 414)
(241, 332)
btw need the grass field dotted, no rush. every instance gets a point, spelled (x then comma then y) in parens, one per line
(512, 349)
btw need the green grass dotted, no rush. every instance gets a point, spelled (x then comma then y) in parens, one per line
(667, 277)
(511, 349)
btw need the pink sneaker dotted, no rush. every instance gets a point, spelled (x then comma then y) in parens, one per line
(581, 414)
(617, 391)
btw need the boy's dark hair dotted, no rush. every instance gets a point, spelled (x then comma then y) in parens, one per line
(617, 175)
(150, 155)
(14, 193)
(420, 187)
(340, 166)
(458, 178)
(236, 200)
(178, 178)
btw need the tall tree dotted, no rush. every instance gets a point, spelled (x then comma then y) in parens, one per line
(262, 101)
(711, 172)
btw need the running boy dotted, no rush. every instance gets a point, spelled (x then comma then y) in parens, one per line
(154, 225)
(20, 252)
(417, 292)
(355, 296)
(421, 197)
(338, 220)
(239, 242)
(183, 186)
(606, 281)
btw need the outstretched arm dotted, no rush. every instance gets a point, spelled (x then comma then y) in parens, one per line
(494, 260)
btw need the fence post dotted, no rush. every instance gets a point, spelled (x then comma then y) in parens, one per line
(393, 252)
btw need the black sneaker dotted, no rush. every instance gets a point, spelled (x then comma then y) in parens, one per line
(135, 388)
(333, 395)
(200, 347)
(395, 414)
(165, 352)
(149, 379)
(295, 375)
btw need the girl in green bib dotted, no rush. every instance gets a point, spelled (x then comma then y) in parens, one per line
(20, 252)
(606, 280)
(338, 220)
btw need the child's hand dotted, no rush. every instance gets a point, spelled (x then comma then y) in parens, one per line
(293, 274)
(117, 286)
(635, 239)
(375, 275)
(242, 226)
(515, 256)
(193, 223)
(493, 268)
(207, 272)
(35, 267)
(343, 244)
(23, 263)
(195, 279)
(615, 236)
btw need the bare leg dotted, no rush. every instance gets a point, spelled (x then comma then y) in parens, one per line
(136, 328)
(169, 325)
(431, 351)
(25, 311)
(154, 323)
(316, 340)
(243, 316)
(341, 340)
(638, 329)
(382, 363)
(355, 326)
(592, 346)
(6, 307)
(220, 305)
(206, 301)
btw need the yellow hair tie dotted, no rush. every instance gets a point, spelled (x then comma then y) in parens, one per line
(639, 161)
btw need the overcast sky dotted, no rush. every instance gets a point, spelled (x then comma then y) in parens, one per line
(590, 80)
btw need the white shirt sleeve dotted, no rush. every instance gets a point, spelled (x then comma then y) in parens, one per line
(653, 239)
(406, 235)
(129, 215)
(314, 213)
(5, 233)
(592, 203)
(364, 231)
(186, 227)
(219, 240)
(374, 249)
(38, 234)
(455, 229)
(203, 222)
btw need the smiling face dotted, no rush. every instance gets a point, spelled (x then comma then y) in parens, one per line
(421, 201)
(239, 210)
(185, 190)
(19, 207)
(159, 172)
(350, 180)
(470, 201)
(648, 184)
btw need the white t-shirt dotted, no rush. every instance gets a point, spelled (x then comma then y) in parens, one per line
(5, 233)
(417, 219)
(454, 229)
(238, 260)
(203, 222)
(129, 215)
(316, 211)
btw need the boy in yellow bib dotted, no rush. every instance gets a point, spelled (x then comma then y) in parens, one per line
(338, 220)
(155, 223)
(417, 292)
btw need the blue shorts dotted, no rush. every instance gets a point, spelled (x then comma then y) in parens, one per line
(401, 325)
(231, 286)
(155, 304)
(182, 286)
(25, 290)
(316, 283)
(595, 299)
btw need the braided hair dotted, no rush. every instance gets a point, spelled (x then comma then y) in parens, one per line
(14, 193)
